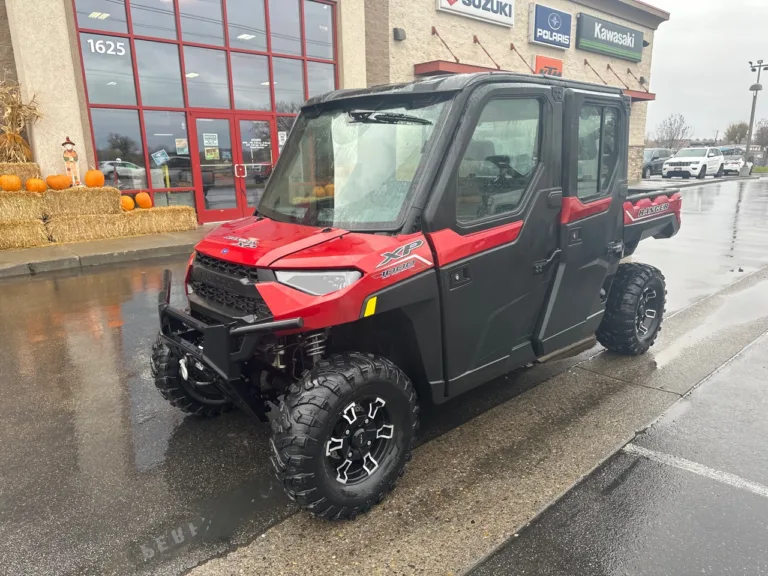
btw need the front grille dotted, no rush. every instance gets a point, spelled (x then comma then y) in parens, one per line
(223, 286)
(229, 268)
(246, 304)
(679, 163)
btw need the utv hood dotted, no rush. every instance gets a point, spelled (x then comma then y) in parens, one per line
(261, 242)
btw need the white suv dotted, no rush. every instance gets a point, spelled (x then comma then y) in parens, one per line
(698, 162)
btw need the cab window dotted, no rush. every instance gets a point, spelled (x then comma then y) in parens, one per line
(599, 145)
(500, 160)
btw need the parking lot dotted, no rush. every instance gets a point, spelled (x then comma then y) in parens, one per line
(101, 476)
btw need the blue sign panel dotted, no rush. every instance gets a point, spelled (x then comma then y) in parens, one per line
(550, 27)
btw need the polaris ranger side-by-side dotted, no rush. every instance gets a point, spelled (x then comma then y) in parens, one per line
(413, 242)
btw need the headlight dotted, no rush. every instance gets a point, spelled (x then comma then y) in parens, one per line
(318, 283)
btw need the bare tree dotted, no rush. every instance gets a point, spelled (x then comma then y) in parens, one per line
(673, 132)
(760, 137)
(736, 133)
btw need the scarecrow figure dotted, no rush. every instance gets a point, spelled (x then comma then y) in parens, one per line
(70, 162)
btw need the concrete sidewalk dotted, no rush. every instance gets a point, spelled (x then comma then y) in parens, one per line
(98, 252)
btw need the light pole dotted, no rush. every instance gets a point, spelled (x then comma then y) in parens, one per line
(755, 88)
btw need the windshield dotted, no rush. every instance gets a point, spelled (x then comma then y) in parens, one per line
(692, 153)
(647, 155)
(352, 168)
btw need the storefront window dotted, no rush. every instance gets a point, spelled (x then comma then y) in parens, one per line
(250, 81)
(175, 199)
(159, 74)
(201, 22)
(107, 15)
(320, 78)
(284, 27)
(154, 18)
(284, 125)
(207, 81)
(247, 27)
(168, 147)
(108, 69)
(318, 28)
(289, 84)
(119, 147)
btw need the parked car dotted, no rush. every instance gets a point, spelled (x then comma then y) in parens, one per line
(653, 160)
(122, 174)
(735, 160)
(698, 162)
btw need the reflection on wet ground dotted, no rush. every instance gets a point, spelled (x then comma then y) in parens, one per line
(99, 475)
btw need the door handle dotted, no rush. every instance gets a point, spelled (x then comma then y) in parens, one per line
(540, 266)
(459, 277)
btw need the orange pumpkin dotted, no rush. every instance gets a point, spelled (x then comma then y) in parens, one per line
(59, 182)
(127, 203)
(330, 189)
(94, 178)
(35, 185)
(318, 192)
(10, 183)
(143, 200)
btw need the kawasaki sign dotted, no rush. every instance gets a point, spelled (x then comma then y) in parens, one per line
(603, 37)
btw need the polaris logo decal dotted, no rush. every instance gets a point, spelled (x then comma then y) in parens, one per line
(402, 253)
(500, 12)
(549, 26)
(243, 242)
(651, 210)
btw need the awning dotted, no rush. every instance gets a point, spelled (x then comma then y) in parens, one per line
(436, 67)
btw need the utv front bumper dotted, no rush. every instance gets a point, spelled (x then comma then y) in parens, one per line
(222, 347)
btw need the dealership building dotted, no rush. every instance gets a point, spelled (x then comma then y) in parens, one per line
(192, 100)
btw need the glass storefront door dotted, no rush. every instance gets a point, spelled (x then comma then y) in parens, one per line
(232, 163)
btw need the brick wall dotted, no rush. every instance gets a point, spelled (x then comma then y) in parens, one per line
(635, 166)
(377, 39)
(7, 62)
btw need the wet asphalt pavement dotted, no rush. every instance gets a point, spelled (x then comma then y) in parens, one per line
(98, 475)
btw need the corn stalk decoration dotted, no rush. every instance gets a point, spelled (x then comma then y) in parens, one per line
(16, 117)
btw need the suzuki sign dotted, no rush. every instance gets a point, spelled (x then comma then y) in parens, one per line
(501, 12)
(603, 37)
(550, 27)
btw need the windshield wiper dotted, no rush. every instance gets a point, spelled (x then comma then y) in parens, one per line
(374, 117)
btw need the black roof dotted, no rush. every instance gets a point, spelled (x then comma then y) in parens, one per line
(456, 83)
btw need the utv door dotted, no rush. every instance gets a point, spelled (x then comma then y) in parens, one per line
(595, 148)
(493, 226)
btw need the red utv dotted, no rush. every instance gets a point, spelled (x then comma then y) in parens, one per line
(413, 242)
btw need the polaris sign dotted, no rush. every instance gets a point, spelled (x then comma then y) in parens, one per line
(550, 27)
(501, 12)
(603, 37)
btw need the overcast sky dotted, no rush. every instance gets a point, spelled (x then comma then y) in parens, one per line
(700, 63)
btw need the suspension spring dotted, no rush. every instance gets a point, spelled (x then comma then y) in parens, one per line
(314, 345)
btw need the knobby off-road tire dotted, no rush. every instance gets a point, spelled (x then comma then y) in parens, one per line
(636, 290)
(316, 410)
(180, 393)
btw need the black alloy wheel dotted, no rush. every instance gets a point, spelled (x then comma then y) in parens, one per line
(647, 172)
(185, 383)
(343, 434)
(635, 309)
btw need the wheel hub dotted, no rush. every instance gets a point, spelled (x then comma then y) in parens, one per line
(361, 440)
(647, 313)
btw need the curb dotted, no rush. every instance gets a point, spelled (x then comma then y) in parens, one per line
(71, 261)
(682, 183)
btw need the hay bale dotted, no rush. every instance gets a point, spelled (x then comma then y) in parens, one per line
(15, 206)
(23, 170)
(66, 228)
(158, 220)
(82, 201)
(22, 234)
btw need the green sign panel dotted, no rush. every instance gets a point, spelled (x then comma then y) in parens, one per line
(603, 37)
